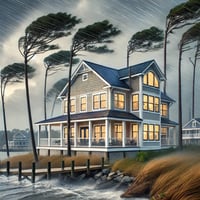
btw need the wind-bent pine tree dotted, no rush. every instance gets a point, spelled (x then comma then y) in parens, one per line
(178, 17)
(53, 63)
(143, 41)
(194, 64)
(11, 74)
(37, 40)
(85, 39)
(189, 37)
(55, 91)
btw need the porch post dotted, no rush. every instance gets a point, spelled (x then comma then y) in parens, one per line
(49, 135)
(140, 137)
(124, 134)
(107, 133)
(90, 133)
(38, 135)
(75, 133)
(61, 135)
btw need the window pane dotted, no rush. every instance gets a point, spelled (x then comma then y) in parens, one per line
(145, 102)
(164, 110)
(72, 105)
(103, 101)
(156, 83)
(119, 101)
(151, 103)
(150, 79)
(156, 132)
(151, 132)
(156, 104)
(96, 103)
(83, 104)
(145, 132)
(135, 102)
(145, 79)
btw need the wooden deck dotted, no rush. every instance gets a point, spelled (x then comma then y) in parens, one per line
(28, 172)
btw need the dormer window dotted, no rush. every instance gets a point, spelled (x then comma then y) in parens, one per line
(151, 79)
(85, 77)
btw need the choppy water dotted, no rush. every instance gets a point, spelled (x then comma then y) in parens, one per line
(56, 189)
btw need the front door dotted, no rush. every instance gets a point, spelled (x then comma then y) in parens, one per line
(84, 135)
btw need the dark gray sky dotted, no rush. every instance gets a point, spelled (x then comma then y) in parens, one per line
(128, 15)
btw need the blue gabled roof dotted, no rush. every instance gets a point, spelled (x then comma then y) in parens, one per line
(110, 75)
(135, 69)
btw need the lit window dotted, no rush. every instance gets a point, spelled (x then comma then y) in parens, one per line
(119, 101)
(100, 101)
(135, 102)
(150, 79)
(118, 132)
(99, 132)
(72, 105)
(83, 103)
(71, 132)
(164, 109)
(151, 103)
(145, 132)
(145, 102)
(156, 104)
(151, 132)
(135, 132)
(156, 132)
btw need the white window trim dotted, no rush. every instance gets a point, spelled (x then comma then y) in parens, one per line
(99, 93)
(85, 77)
(72, 98)
(118, 92)
(86, 103)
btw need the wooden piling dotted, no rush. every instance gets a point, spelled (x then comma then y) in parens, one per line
(88, 166)
(102, 162)
(8, 168)
(49, 171)
(33, 172)
(72, 168)
(62, 165)
(20, 171)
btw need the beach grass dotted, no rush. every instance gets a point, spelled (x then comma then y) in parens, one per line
(172, 177)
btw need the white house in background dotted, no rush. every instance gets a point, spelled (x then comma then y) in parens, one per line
(110, 113)
(191, 132)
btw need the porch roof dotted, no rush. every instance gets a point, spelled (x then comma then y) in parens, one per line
(168, 122)
(114, 114)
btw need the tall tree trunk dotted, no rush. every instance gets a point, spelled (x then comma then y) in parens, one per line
(194, 78)
(29, 110)
(4, 119)
(180, 97)
(45, 94)
(69, 105)
(165, 62)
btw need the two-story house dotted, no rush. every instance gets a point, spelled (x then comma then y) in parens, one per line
(191, 132)
(112, 110)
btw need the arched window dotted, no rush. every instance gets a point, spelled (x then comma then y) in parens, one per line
(150, 79)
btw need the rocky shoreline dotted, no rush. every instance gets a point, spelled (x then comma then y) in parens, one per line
(103, 179)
